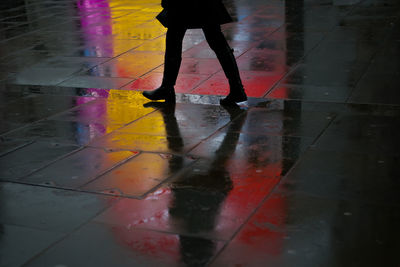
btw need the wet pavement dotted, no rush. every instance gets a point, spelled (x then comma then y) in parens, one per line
(305, 173)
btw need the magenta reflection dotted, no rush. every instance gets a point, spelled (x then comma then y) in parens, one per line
(96, 23)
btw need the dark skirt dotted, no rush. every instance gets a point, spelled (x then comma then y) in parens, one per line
(193, 14)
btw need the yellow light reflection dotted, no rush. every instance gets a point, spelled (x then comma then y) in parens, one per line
(135, 177)
(152, 124)
(140, 25)
(124, 107)
(140, 142)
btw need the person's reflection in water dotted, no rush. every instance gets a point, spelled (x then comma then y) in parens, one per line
(199, 193)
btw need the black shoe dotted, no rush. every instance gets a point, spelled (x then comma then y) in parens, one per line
(164, 107)
(162, 93)
(235, 96)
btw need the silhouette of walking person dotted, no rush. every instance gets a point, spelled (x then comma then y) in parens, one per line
(180, 15)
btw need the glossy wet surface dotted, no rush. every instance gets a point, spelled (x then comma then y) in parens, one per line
(305, 173)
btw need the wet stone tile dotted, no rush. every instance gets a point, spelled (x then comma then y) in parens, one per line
(215, 85)
(180, 120)
(47, 209)
(191, 39)
(199, 66)
(107, 48)
(138, 176)
(83, 81)
(285, 41)
(243, 33)
(12, 46)
(132, 64)
(374, 110)
(362, 133)
(214, 198)
(36, 107)
(373, 10)
(394, 32)
(382, 63)
(13, 92)
(199, 202)
(80, 63)
(198, 99)
(348, 30)
(43, 76)
(310, 93)
(94, 112)
(348, 175)
(88, 92)
(156, 45)
(264, 60)
(369, 89)
(105, 245)
(7, 145)
(55, 49)
(167, 129)
(111, 111)
(150, 143)
(143, 31)
(342, 51)
(19, 244)
(316, 24)
(271, 19)
(79, 168)
(185, 82)
(10, 93)
(203, 51)
(256, 83)
(30, 158)
(64, 132)
(25, 90)
(302, 230)
(326, 74)
(255, 153)
(290, 119)
(5, 75)
(13, 64)
(322, 11)
(9, 126)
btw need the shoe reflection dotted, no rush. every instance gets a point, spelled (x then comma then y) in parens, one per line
(198, 194)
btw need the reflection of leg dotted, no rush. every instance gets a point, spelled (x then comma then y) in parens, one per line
(172, 63)
(218, 43)
(229, 143)
(196, 251)
(175, 141)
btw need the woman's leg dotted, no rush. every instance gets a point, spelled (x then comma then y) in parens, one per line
(172, 63)
(173, 55)
(220, 46)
